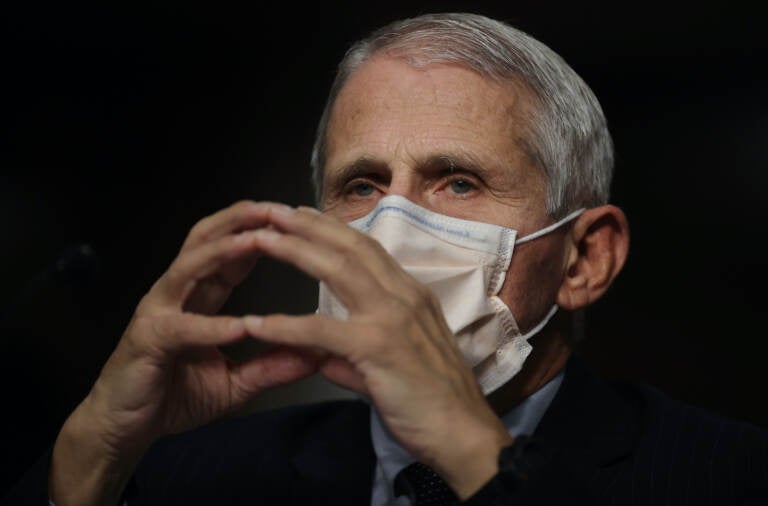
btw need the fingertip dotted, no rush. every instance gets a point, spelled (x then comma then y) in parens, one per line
(282, 210)
(236, 327)
(252, 323)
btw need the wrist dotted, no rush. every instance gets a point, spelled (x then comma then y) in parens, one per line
(519, 464)
(476, 462)
(85, 468)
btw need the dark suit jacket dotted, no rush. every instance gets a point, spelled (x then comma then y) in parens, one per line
(616, 444)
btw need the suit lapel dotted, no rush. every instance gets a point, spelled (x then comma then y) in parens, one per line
(597, 421)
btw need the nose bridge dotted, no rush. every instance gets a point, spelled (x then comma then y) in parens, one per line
(405, 182)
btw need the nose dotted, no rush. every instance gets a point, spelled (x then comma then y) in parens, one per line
(405, 183)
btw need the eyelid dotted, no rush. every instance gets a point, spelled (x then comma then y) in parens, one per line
(350, 185)
(462, 174)
(458, 170)
(359, 179)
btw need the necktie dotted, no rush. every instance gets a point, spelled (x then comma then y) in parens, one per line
(424, 486)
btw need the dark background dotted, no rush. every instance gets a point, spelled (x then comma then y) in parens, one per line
(125, 124)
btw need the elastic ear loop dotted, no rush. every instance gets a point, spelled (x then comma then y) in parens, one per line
(551, 227)
(535, 330)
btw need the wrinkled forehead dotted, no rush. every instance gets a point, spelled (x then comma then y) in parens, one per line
(387, 97)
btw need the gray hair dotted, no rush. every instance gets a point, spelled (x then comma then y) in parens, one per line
(568, 138)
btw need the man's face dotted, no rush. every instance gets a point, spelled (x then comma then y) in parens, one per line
(449, 140)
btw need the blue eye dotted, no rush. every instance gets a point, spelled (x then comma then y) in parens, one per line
(461, 186)
(363, 189)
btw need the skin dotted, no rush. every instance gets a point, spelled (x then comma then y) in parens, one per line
(395, 127)
(392, 131)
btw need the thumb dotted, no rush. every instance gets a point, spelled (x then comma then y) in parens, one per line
(276, 366)
(341, 372)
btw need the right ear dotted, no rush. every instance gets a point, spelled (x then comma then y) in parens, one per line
(599, 244)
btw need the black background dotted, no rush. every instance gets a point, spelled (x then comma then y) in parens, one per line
(125, 124)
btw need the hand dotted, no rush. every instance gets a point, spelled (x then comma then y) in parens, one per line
(167, 374)
(395, 347)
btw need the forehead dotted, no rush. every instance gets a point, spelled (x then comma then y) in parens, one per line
(392, 111)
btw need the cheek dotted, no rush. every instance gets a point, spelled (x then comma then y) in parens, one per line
(532, 282)
(348, 211)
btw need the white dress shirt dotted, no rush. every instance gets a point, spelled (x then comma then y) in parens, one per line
(391, 457)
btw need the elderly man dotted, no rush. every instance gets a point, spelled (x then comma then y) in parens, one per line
(463, 172)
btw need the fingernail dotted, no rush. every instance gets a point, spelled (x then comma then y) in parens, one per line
(283, 210)
(252, 323)
(236, 326)
(266, 234)
(309, 209)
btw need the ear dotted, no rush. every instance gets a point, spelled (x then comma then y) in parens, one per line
(596, 252)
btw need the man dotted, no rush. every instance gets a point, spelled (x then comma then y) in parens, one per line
(473, 166)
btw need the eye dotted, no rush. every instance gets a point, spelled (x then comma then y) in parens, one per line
(362, 189)
(461, 186)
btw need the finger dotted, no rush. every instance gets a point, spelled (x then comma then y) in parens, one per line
(349, 277)
(346, 273)
(210, 295)
(316, 331)
(308, 331)
(171, 333)
(321, 228)
(341, 372)
(359, 252)
(327, 230)
(240, 216)
(202, 262)
(277, 366)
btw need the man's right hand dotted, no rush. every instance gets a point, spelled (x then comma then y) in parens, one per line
(167, 374)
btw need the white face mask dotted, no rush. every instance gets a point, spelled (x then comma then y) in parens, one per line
(464, 263)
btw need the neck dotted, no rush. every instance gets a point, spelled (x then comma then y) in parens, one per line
(548, 357)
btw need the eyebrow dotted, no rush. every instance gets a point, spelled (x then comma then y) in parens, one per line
(460, 161)
(362, 166)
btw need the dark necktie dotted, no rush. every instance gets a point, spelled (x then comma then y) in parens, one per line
(424, 486)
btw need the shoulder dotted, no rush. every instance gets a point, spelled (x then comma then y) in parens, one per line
(633, 443)
(703, 433)
(690, 454)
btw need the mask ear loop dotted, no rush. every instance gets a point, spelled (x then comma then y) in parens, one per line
(551, 227)
(536, 329)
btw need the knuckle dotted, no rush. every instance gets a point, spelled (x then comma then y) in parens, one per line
(200, 230)
(361, 242)
(144, 330)
(157, 300)
(173, 275)
(427, 298)
(224, 249)
(241, 206)
(343, 263)
(307, 219)
(146, 303)
(398, 312)
(228, 245)
(376, 344)
(312, 215)
(273, 322)
(418, 297)
(380, 339)
(161, 326)
(174, 284)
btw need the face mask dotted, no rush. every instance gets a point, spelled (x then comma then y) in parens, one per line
(464, 263)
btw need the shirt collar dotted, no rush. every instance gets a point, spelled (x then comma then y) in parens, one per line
(522, 419)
